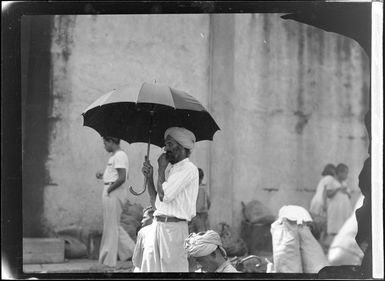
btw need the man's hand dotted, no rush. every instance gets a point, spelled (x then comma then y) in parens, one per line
(147, 168)
(99, 175)
(162, 162)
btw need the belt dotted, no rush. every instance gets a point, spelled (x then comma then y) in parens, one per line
(108, 183)
(168, 219)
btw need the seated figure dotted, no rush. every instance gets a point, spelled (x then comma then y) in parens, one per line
(206, 248)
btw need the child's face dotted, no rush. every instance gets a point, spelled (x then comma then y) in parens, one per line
(147, 219)
(342, 175)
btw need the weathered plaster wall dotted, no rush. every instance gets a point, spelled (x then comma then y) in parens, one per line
(91, 56)
(289, 98)
(301, 96)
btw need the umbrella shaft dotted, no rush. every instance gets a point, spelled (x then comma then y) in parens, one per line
(148, 148)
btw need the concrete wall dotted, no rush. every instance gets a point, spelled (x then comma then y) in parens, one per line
(300, 102)
(289, 98)
(91, 56)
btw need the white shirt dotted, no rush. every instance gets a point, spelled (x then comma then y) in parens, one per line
(118, 160)
(180, 191)
(318, 203)
(143, 256)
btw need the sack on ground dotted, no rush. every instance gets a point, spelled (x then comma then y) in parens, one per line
(134, 210)
(256, 212)
(286, 248)
(313, 257)
(76, 239)
(130, 218)
(73, 248)
(232, 245)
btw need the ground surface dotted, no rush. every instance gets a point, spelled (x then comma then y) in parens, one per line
(77, 266)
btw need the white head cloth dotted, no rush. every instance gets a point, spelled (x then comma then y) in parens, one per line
(183, 136)
(203, 244)
(295, 213)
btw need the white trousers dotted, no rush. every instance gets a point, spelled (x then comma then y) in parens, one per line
(115, 240)
(169, 253)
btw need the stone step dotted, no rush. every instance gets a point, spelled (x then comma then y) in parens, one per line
(43, 250)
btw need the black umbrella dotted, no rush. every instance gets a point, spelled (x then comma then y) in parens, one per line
(349, 19)
(145, 118)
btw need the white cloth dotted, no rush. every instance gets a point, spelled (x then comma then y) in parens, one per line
(339, 208)
(295, 250)
(318, 202)
(312, 254)
(344, 249)
(295, 213)
(115, 240)
(117, 160)
(200, 245)
(182, 136)
(286, 250)
(143, 258)
(180, 191)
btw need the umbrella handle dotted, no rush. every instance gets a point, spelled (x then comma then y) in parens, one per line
(139, 193)
(145, 179)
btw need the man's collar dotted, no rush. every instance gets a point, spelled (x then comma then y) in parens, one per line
(180, 162)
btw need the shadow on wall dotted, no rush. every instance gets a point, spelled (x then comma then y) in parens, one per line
(35, 49)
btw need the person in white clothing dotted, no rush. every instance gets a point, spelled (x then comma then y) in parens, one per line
(115, 240)
(339, 207)
(175, 198)
(206, 248)
(143, 257)
(318, 203)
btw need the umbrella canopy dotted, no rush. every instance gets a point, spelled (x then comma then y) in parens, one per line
(145, 118)
(349, 19)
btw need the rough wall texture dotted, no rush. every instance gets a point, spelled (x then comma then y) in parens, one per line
(300, 103)
(91, 56)
(289, 98)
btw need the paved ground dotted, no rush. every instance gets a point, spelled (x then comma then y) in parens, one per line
(85, 266)
(77, 266)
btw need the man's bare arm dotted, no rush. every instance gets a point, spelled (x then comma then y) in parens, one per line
(121, 179)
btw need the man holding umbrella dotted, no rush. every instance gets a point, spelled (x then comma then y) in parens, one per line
(152, 117)
(175, 195)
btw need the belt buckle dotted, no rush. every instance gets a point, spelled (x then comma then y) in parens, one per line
(166, 218)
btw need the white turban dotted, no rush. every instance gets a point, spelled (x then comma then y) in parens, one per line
(203, 244)
(182, 136)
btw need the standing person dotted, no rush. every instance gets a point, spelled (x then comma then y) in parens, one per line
(339, 207)
(318, 203)
(115, 240)
(206, 248)
(143, 257)
(200, 222)
(175, 198)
